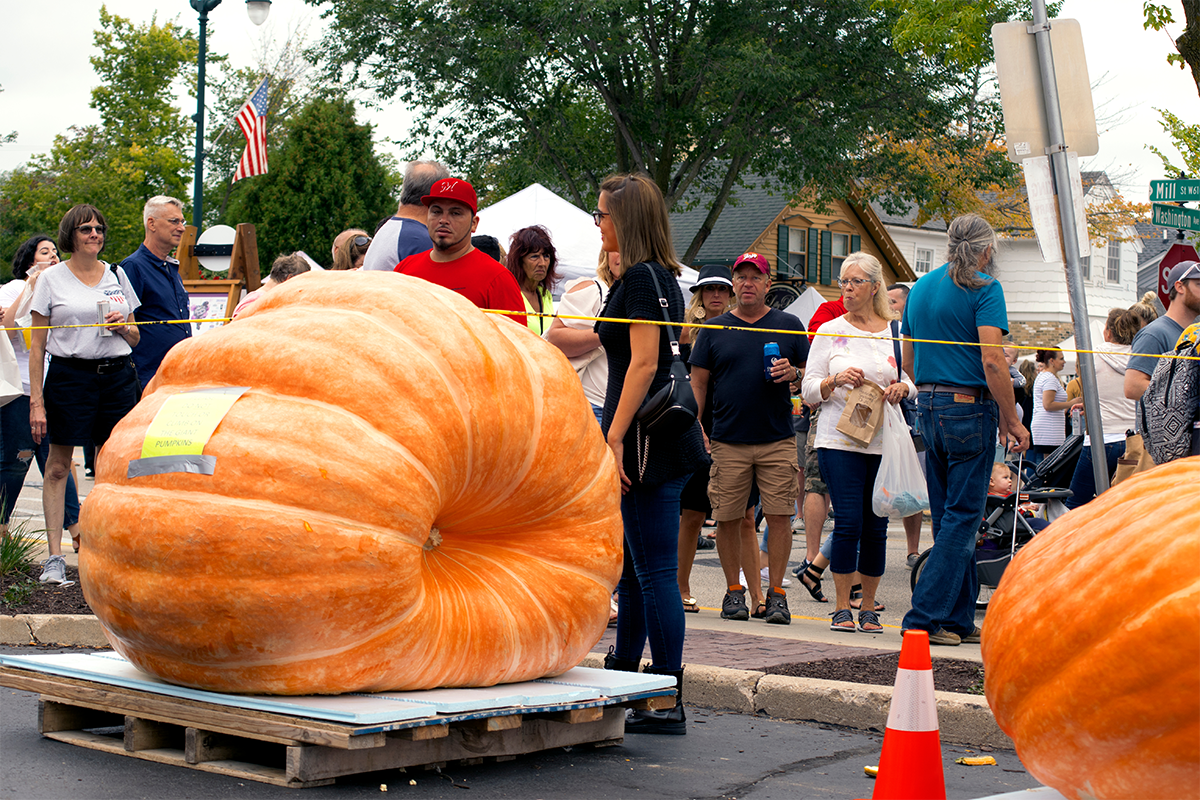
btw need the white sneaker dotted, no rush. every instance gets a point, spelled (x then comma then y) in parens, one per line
(54, 570)
(766, 576)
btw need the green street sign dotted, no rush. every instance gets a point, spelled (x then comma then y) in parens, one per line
(1180, 191)
(1175, 217)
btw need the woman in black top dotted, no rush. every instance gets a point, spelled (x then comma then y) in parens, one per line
(633, 221)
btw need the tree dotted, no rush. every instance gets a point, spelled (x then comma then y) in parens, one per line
(1159, 16)
(324, 178)
(137, 151)
(1186, 139)
(692, 93)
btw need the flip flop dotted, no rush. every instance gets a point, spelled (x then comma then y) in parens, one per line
(690, 605)
(760, 611)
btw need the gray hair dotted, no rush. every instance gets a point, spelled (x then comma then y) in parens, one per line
(871, 267)
(968, 237)
(419, 178)
(156, 203)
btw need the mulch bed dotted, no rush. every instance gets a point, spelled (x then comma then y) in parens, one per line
(949, 674)
(47, 598)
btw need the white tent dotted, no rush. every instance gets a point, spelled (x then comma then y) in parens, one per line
(806, 305)
(575, 235)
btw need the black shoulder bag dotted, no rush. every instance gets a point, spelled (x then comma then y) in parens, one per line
(672, 409)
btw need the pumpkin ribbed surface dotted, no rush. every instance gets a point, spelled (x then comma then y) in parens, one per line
(1091, 647)
(412, 494)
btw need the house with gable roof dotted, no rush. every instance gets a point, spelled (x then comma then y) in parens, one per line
(804, 246)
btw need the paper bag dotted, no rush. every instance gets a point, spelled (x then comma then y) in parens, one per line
(864, 413)
(1135, 459)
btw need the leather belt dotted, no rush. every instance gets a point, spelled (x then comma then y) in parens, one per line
(100, 366)
(941, 388)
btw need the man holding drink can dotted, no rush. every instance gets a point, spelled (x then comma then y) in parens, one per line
(752, 437)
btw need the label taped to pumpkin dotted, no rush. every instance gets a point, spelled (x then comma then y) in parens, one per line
(176, 436)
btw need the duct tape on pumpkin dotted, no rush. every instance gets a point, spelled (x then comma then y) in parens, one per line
(175, 439)
(376, 519)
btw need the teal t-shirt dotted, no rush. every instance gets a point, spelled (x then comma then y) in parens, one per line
(938, 308)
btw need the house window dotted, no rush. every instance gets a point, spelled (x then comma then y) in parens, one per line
(839, 250)
(1114, 262)
(1085, 267)
(797, 252)
(924, 260)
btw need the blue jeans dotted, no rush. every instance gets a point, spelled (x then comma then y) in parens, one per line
(17, 450)
(1083, 483)
(648, 606)
(958, 461)
(859, 537)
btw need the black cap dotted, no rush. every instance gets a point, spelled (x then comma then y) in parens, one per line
(713, 274)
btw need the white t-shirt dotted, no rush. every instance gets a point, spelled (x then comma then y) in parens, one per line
(1049, 427)
(9, 294)
(587, 303)
(66, 300)
(1117, 412)
(829, 355)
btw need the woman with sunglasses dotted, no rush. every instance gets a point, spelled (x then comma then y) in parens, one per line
(633, 222)
(91, 383)
(34, 256)
(864, 351)
(350, 249)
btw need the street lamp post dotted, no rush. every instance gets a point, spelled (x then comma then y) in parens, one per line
(258, 11)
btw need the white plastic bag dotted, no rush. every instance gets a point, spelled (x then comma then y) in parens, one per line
(900, 489)
(10, 373)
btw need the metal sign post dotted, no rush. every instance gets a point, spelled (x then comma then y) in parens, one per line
(1007, 64)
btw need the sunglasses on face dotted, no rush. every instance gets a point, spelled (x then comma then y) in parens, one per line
(88, 229)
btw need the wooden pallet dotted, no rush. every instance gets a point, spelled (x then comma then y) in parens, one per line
(297, 752)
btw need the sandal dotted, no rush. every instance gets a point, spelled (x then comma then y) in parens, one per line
(856, 597)
(690, 605)
(866, 618)
(840, 618)
(804, 573)
(760, 611)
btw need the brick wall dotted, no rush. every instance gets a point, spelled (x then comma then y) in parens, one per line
(1039, 334)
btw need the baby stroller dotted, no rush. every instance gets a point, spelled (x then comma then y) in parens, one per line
(1003, 530)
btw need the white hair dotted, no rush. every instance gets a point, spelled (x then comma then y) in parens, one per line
(155, 204)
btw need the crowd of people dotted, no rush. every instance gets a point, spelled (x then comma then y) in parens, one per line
(771, 395)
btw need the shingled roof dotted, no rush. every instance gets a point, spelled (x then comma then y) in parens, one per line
(750, 210)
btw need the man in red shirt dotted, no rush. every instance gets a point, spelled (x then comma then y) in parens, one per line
(454, 262)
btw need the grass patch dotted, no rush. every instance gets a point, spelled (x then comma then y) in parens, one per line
(17, 549)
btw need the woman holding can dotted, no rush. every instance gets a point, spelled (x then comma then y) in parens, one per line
(633, 221)
(17, 447)
(91, 383)
(836, 364)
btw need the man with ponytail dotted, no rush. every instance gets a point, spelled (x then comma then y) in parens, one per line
(964, 394)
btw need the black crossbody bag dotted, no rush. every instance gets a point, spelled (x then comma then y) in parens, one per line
(672, 409)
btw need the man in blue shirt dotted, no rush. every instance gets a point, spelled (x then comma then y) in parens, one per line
(964, 394)
(406, 233)
(154, 275)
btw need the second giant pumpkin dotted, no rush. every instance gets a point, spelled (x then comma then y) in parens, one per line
(1091, 647)
(411, 494)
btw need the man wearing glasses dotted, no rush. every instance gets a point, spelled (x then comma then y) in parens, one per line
(1160, 336)
(154, 275)
(752, 436)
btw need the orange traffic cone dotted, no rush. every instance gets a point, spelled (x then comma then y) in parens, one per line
(910, 767)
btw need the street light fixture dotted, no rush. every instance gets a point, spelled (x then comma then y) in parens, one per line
(258, 11)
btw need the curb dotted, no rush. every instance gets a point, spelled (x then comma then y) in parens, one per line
(962, 718)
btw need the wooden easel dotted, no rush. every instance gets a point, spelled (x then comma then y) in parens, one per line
(243, 265)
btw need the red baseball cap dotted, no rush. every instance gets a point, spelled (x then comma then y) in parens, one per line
(755, 259)
(453, 189)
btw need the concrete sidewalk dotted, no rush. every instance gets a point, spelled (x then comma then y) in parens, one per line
(724, 659)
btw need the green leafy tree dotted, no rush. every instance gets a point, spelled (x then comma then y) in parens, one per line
(138, 150)
(1186, 139)
(1187, 44)
(324, 178)
(693, 93)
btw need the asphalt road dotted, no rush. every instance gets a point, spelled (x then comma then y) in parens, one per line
(724, 755)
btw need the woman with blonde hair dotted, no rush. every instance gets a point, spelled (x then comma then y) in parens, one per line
(854, 348)
(350, 249)
(632, 217)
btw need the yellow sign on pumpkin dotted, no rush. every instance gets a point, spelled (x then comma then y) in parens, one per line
(186, 421)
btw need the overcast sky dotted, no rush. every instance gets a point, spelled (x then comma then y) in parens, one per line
(47, 77)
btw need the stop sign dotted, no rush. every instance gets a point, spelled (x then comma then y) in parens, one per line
(1175, 253)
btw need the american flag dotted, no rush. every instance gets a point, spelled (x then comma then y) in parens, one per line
(253, 121)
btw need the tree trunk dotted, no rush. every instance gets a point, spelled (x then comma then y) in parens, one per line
(714, 211)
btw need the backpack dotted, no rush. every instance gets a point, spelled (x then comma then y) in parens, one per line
(1167, 410)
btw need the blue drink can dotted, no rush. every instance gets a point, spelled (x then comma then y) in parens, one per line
(770, 356)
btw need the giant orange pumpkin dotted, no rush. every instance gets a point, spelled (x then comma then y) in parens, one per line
(1091, 647)
(411, 494)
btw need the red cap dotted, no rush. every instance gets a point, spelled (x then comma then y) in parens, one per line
(453, 189)
(755, 259)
